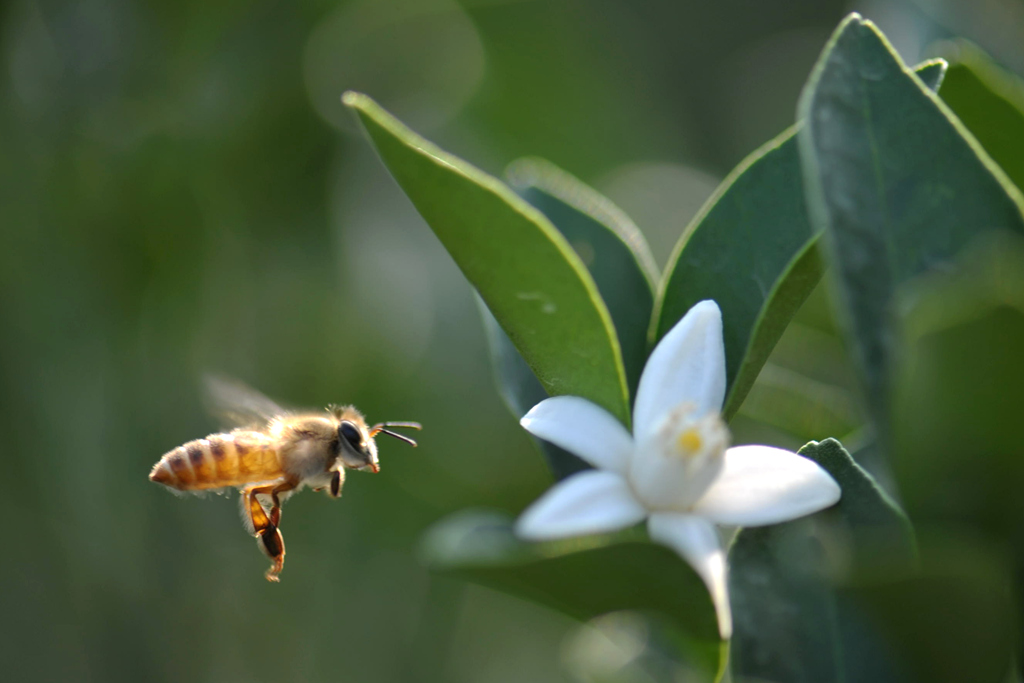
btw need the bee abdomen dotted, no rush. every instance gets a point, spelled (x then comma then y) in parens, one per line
(217, 461)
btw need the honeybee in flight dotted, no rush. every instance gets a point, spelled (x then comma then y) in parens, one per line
(274, 454)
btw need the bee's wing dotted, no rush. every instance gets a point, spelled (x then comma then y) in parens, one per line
(236, 404)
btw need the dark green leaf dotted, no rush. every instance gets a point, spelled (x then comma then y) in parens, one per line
(583, 577)
(839, 596)
(786, 626)
(751, 249)
(873, 527)
(897, 184)
(990, 102)
(521, 390)
(959, 455)
(950, 622)
(608, 243)
(522, 267)
(864, 529)
(786, 617)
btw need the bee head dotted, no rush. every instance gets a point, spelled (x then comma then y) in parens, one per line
(356, 448)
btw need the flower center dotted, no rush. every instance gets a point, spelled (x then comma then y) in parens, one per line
(675, 465)
(689, 443)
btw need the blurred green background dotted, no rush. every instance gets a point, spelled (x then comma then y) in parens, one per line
(182, 192)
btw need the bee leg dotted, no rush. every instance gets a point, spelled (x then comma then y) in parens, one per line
(275, 509)
(272, 542)
(269, 538)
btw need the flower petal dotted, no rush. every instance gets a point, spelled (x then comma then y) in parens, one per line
(583, 428)
(687, 366)
(696, 540)
(589, 502)
(762, 485)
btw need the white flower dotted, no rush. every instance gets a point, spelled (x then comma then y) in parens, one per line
(676, 470)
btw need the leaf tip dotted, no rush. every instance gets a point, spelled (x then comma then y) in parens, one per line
(932, 72)
(354, 100)
(853, 24)
(851, 21)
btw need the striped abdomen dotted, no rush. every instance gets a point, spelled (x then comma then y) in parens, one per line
(217, 461)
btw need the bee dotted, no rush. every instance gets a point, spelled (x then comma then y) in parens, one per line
(274, 454)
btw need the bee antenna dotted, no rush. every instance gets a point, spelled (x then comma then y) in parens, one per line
(381, 428)
(409, 425)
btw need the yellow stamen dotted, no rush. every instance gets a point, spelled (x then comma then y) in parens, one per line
(689, 441)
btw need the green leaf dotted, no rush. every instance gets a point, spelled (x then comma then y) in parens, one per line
(842, 596)
(785, 613)
(787, 624)
(618, 259)
(990, 102)
(751, 249)
(521, 390)
(582, 577)
(896, 183)
(872, 525)
(799, 405)
(538, 289)
(958, 453)
(947, 623)
(608, 243)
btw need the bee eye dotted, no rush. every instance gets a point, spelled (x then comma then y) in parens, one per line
(351, 434)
